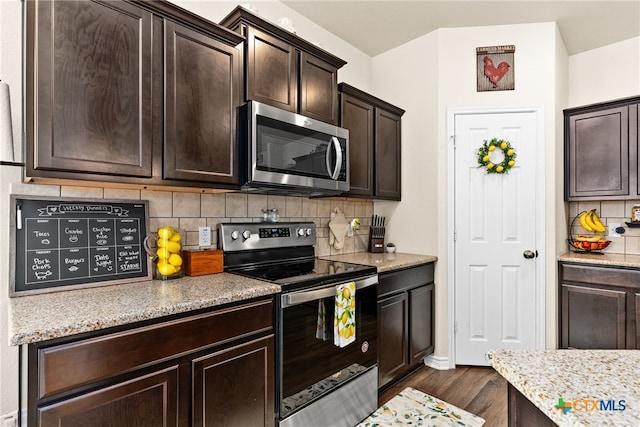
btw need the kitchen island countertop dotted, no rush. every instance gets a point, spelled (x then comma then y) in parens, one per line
(384, 261)
(603, 259)
(545, 376)
(45, 316)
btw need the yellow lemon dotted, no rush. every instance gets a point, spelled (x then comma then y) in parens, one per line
(492, 148)
(490, 165)
(346, 293)
(176, 237)
(335, 321)
(499, 169)
(162, 243)
(503, 145)
(353, 303)
(173, 247)
(165, 232)
(175, 260)
(344, 318)
(510, 153)
(512, 162)
(163, 253)
(166, 269)
(486, 158)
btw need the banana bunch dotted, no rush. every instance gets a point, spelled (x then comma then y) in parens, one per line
(590, 239)
(590, 221)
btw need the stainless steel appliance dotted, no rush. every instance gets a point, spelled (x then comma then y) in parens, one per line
(292, 154)
(318, 383)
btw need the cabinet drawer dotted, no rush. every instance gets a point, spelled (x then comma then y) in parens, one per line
(66, 366)
(610, 276)
(402, 280)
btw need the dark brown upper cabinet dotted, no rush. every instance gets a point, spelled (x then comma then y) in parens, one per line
(286, 71)
(136, 92)
(601, 151)
(89, 107)
(201, 98)
(374, 144)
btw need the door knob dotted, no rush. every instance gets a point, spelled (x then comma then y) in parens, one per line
(529, 254)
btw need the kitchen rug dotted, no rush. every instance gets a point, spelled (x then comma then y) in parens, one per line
(411, 407)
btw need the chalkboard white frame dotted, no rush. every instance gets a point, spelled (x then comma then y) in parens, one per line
(113, 206)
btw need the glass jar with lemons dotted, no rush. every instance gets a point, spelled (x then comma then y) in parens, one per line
(166, 254)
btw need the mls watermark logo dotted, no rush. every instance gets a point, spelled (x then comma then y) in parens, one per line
(585, 405)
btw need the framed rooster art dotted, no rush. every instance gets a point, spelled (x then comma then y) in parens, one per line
(495, 68)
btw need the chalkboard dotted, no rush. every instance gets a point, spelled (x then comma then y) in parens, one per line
(61, 244)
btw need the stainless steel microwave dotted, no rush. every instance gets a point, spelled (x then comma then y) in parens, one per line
(293, 154)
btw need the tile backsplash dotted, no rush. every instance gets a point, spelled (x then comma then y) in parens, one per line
(610, 212)
(189, 211)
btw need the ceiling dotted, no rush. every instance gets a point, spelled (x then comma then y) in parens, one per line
(375, 26)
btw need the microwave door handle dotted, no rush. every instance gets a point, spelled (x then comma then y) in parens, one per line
(336, 171)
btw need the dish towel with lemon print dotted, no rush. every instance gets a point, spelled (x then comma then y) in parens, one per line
(344, 324)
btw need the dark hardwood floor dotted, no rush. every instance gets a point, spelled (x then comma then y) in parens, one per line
(479, 390)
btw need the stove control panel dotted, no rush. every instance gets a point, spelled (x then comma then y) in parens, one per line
(260, 235)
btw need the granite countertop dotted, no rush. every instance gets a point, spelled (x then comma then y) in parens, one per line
(384, 261)
(545, 376)
(51, 315)
(603, 259)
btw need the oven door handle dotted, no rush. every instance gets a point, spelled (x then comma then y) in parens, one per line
(295, 298)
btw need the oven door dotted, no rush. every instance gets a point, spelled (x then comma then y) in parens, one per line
(315, 376)
(292, 150)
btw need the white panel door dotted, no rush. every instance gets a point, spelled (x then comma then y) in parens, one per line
(495, 226)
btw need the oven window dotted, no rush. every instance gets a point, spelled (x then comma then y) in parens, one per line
(282, 147)
(312, 365)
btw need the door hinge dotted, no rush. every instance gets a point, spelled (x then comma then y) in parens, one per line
(455, 235)
(455, 327)
(453, 138)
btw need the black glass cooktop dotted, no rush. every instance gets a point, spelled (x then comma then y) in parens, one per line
(300, 274)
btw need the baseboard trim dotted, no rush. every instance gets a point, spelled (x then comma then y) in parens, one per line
(440, 363)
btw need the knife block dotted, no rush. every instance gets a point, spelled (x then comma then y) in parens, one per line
(376, 243)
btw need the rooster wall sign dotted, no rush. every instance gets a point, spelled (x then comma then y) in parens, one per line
(495, 68)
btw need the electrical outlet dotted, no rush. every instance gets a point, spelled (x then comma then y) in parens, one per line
(205, 236)
(613, 229)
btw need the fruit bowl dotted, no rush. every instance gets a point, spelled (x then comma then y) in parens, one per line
(589, 246)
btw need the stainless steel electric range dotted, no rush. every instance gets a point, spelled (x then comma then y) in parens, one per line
(318, 383)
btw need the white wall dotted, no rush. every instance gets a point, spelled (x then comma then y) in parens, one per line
(437, 71)
(605, 74)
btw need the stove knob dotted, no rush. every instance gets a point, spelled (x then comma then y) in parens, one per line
(246, 234)
(308, 232)
(300, 232)
(234, 235)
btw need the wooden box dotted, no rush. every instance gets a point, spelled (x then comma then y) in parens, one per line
(198, 263)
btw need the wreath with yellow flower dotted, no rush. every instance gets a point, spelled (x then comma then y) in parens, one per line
(487, 158)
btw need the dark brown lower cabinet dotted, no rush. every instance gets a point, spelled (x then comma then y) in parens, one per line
(599, 307)
(522, 412)
(405, 317)
(208, 368)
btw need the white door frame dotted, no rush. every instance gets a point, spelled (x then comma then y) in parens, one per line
(540, 320)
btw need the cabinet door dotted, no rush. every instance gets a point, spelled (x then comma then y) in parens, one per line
(272, 73)
(393, 332)
(201, 99)
(592, 318)
(421, 323)
(90, 108)
(598, 154)
(147, 401)
(235, 387)
(357, 116)
(387, 155)
(318, 89)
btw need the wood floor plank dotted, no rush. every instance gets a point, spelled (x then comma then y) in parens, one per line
(479, 390)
